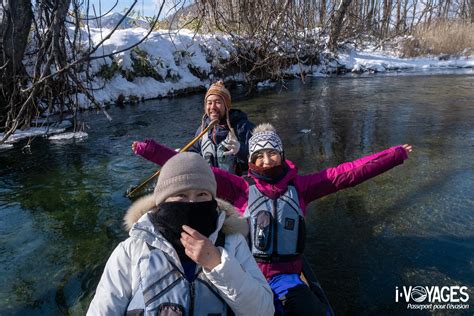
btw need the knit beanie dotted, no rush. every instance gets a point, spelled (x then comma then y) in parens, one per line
(219, 89)
(264, 137)
(184, 171)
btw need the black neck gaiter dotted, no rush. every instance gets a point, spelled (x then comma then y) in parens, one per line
(171, 216)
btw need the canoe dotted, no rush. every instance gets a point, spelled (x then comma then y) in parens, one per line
(309, 278)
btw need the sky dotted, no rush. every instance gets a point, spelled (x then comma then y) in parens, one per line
(145, 7)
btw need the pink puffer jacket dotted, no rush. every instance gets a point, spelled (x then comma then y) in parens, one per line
(310, 187)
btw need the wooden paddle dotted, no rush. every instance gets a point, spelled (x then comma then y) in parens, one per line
(185, 148)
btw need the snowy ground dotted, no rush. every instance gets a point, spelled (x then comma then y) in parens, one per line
(175, 55)
(381, 62)
(179, 59)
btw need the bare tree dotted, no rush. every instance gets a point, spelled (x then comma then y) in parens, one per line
(472, 11)
(268, 36)
(337, 24)
(398, 22)
(322, 12)
(15, 21)
(59, 61)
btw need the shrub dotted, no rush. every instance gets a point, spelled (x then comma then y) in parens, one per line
(108, 71)
(441, 37)
(142, 65)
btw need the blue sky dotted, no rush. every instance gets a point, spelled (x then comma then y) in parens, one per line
(145, 7)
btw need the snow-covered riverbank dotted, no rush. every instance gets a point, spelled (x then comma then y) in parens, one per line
(185, 61)
(167, 64)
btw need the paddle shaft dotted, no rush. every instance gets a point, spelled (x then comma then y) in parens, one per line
(185, 148)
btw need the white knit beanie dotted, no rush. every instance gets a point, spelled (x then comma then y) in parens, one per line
(264, 137)
(184, 171)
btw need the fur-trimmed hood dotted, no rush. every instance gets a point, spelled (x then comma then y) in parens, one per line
(234, 223)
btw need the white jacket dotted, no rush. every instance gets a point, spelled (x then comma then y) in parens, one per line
(237, 278)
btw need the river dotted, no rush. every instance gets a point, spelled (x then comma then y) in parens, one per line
(61, 204)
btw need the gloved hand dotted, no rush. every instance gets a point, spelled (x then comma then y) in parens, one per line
(232, 145)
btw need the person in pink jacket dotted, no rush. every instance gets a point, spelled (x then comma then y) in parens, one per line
(274, 198)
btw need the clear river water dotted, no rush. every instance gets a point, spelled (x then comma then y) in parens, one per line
(62, 203)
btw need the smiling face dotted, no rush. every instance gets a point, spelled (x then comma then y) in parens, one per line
(215, 107)
(190, 196)
(267, 158)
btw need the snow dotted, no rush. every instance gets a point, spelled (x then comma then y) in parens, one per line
(41, 122)
(170, 54)
(32, 132)
(68, 136)
(5, 146)
(380, 62)
(173, 54)
(179, 58)
(266, 84)
(111, 19)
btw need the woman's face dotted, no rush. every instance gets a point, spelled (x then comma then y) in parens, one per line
(267, 158)
(191, 196)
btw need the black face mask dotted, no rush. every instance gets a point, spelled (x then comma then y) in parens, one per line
(271, 175)
(171, 216)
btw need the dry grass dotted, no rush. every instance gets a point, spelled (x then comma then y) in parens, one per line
(440, 38)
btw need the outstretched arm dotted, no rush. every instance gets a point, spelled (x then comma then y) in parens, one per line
(349, 174)
(153, 151)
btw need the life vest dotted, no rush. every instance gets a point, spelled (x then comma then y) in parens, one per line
(214, 154)
(277, 228)
(164, 290)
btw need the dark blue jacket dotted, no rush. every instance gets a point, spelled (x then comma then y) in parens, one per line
(242, 127)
